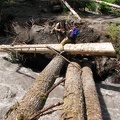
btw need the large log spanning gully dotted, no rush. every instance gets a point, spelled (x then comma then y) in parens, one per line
(103, 49)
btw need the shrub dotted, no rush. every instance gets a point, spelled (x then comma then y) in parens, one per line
(65, 9)
(91, 6)
(117, 2)
(103, 8)
(113, 32)
(114, 36)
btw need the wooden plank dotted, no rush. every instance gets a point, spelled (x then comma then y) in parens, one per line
(83, 48)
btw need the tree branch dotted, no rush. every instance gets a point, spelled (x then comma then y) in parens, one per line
(55, 85)
(37, 114)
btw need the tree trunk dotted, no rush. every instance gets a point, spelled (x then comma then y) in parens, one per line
(93, 109)
(110, 4)
(36, 96)
(83, 48)
(73, 108)
(73, 12)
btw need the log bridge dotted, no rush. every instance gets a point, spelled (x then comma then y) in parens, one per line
(103, 49)
(80, 101)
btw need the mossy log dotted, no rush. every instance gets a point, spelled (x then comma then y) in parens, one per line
(93, 109)
(73, 107)
(36, 96)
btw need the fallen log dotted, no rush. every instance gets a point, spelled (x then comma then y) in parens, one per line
(73, 12)
(93, 109)
(73, 107)
(110, 4)
(36, 96)
(83, 48)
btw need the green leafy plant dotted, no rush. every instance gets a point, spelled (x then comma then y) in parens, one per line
(110, 1)
(117, 48)
(91, 6)
(114, 31)
(104, 8)
(117, 2)
(65, 9)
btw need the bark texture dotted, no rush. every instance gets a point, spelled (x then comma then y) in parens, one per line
(93, 109)
(36, 96)
(73, 12)
(110, 4)
(73, 108)
(83, 48)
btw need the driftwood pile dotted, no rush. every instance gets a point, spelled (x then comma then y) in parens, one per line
(80, 96)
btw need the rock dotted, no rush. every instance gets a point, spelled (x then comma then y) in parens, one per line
(109, 96)
(14, 82)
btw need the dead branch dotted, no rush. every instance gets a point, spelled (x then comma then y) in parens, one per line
(55, 85)
(50, 112)
(37, 114)
(62, 56)
(110, 4)
(69, 7)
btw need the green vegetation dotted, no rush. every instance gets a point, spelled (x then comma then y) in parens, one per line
(14, 57)
(117, 48)
(65, 9)
(103, 8)
(117, 2)
(113, 31)
(116, 13)
(91, 6)
(106, 9)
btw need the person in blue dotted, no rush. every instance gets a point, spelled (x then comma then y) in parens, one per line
(71, 38)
